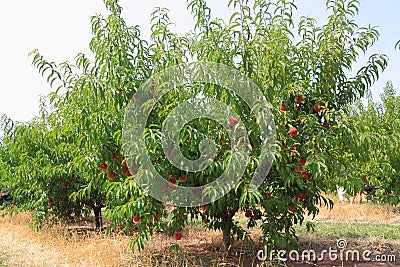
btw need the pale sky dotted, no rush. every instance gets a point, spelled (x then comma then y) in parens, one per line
(61, 29)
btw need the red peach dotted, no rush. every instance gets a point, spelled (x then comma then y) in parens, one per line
(317, 107)
(293, 132)
(103, 166)
(298, 100)
(111, 175)
(232, 121)
(178, 236)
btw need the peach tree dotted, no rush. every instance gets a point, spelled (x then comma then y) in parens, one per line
(74, 147)
(373, 154)
(303, 76)
(36, 162)
(89, 99)
(300, 70)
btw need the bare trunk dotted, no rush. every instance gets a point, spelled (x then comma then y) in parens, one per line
(226, 235)
(98, 217)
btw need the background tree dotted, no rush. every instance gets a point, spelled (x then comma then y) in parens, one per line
(373, 157)
(36, 160)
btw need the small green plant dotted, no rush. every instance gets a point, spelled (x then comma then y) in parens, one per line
(3, 261)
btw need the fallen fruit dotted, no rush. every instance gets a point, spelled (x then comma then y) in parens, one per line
(178, 236)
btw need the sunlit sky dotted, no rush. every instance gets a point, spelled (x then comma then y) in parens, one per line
(61, 29)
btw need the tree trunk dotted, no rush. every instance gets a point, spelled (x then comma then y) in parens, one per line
(226, 235)
(227, 219)
(98, 218)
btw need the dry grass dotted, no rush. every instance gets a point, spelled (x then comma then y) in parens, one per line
(60, 246)
(366, 212)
